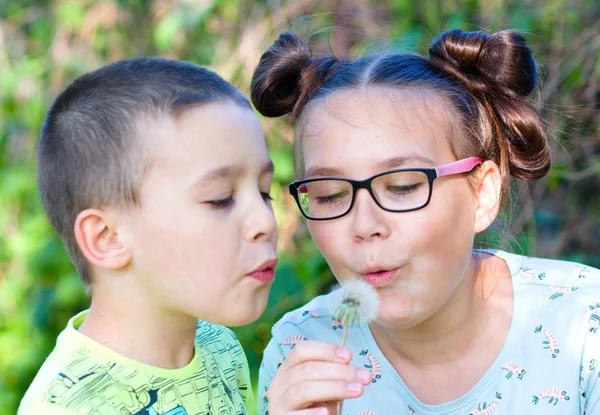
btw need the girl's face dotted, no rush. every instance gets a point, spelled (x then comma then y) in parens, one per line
(415, 259)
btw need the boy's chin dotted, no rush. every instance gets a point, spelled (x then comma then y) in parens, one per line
(242, 314)
(253, 313)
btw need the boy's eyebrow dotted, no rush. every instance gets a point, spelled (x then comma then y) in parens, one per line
(219, 173)
(230, 171)
(387, 164)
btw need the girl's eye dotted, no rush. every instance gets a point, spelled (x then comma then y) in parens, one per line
(404, 188)
(266, 196)
(221, 203)
(333, 198)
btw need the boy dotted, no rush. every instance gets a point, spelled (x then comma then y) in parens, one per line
(156, 175)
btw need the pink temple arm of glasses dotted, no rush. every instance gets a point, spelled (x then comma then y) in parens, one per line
(456, 167)
(460, 166)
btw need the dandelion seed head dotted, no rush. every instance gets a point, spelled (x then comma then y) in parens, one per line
(354, 302)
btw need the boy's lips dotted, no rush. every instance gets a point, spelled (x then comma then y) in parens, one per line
(379, 277)
(265, 272)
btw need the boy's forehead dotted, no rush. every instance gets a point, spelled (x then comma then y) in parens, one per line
(214, 140)
(227, 171)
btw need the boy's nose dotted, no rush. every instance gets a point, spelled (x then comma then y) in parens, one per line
(260, 223)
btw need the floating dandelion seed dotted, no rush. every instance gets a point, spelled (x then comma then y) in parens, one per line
(354, 302)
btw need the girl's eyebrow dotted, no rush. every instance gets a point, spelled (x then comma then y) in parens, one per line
(400, 161)
(386, 164)
(322, 172)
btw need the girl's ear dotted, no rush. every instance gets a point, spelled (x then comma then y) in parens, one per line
(488, 193)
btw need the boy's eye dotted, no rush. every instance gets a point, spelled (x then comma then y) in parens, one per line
(266, 196)
(221, 203)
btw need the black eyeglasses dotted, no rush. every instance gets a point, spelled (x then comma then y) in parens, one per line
(401, 190)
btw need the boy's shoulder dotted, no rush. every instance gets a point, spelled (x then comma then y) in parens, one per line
(75, 379)
(81, 376)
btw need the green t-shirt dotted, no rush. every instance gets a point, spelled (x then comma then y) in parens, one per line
(81, 376)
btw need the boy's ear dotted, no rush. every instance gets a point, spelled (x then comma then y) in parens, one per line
(488, 194)
(97, 236)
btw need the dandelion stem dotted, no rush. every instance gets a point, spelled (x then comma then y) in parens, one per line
(345, 333)
(345, 325)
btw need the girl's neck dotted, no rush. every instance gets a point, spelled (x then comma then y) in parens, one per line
(468, 320)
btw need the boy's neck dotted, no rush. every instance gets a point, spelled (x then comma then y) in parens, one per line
(143, 333)
(478, 315)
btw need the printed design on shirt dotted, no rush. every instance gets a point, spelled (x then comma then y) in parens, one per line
(592, 317)
(92, 385)
(485, 408)
(366, 413)
(528, 275)
(373, 365)
(581, 271)
(557, 292)
(311, 314)
(337, 325)
(581, 379)
(550, 344)
(292, 341)
(592, 365)
(265, 401)
(512, 369)
(281, 360)
(411, 411)
(554, 396)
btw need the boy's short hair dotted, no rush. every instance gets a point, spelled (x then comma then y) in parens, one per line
(90, 151)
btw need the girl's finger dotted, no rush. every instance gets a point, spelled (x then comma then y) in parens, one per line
(312, 350)
(320, 371)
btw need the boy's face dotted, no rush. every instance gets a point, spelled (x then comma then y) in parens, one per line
(203, 242)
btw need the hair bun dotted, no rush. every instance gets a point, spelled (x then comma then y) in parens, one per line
(501, 62)
(287, 76)
(500, 71)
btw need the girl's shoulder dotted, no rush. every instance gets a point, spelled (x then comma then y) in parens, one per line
(549, 272)
(556, 295)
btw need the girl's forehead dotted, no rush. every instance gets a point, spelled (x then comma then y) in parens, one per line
(377, 122)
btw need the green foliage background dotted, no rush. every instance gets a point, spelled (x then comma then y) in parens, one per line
(45, 44)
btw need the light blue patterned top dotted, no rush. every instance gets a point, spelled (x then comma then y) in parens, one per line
(550, 363)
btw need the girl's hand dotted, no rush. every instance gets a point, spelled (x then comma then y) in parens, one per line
(313, 378)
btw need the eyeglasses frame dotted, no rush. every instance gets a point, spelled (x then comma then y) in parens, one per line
(465, 165)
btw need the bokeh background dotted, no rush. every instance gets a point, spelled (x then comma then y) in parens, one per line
(45, 44)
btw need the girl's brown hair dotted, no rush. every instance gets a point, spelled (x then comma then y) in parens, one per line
(486, 78)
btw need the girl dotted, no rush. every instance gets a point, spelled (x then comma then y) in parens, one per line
(401, 160)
